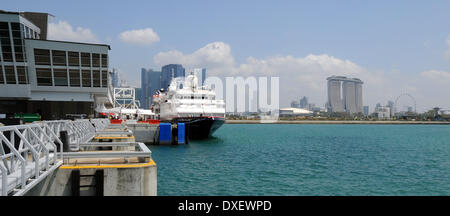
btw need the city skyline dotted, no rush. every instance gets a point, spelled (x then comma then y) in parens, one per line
(395, 47)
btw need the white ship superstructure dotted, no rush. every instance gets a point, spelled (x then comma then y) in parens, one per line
(186, 99)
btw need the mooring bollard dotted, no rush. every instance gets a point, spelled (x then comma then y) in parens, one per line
(64, 137)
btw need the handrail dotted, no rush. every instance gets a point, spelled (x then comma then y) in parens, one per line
(28, 150)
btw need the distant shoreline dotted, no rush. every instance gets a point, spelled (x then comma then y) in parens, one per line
(337, 122)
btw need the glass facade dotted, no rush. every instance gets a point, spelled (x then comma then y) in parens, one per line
(86, 77)
(54, 67)
(74, 75)
(41, 57)
(5, 39)
(1, 75)
(169, 71)
(72, 60)
(22, 74)
(10, 75)
(44, 76)
(60, 76)
(59, 57)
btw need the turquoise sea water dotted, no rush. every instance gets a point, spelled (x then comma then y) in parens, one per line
(287, 159)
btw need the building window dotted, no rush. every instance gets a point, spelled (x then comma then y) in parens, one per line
(74, 59)
(10, 75)
(19, 52)
(17, 41)
(1, 75)
(5, 41)
(7, 52)
(22, 75)
(96, 78)
(59, 57)
(22, 30)
(85, 59)
(4, 25)
(44, 77)
(104, 60)
(74, 78)
(60, 77)
(15, 26)
(86, 77)
(95, 60)
(42, 57)
(104, 78)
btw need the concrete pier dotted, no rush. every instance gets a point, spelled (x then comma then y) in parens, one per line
(120, 178)
(146, 133)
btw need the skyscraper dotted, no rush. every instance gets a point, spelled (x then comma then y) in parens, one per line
(201, 75)
(169, 71)
(150, 84)
(366, 110)
(115, 78)
(391, 107)
(304, 102)
(351, 100)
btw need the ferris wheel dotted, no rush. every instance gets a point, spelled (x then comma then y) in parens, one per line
(405, 95)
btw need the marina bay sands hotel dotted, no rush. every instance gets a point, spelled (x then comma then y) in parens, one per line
(344, 95)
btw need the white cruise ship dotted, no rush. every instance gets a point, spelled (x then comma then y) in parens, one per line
(185, 101)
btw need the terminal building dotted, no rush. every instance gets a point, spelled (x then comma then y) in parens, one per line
(344, 95)
(50, 78)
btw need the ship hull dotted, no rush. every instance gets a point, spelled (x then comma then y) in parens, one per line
(201, 127)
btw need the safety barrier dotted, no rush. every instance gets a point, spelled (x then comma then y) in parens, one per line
(28, 153)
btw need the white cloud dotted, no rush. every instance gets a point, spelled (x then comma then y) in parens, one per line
(65, 32)
(139, 36)
(214, 56)
(436, 75)
(447, 52)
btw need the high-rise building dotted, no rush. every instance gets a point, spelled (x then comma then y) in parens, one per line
(48, 77)
(391, 107)
(138, 95)
(171, 71)
(115, 80)
(304, 102)
(382, 112)
(344, 94)
(366, 110)
(200, 73)
(150, 84)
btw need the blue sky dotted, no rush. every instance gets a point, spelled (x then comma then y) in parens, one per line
(398, 40)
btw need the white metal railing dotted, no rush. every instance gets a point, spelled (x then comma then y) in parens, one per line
(28, 153)
(100, 124)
